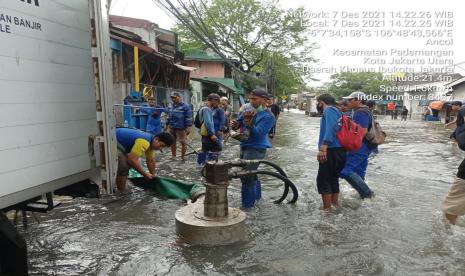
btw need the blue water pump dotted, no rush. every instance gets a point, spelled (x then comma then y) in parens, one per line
(133, 115)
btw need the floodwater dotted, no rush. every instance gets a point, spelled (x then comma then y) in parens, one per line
(399, 232)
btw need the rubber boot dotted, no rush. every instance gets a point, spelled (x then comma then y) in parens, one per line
(359, 185)
(258, 190)
(248, 195)
(201, 157)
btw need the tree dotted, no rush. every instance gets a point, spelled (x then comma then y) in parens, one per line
(247, 30)
(343, 84)
(284, 75)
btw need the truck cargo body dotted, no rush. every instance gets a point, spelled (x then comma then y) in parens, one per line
(48, 100)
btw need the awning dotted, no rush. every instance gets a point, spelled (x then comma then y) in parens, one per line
(224, 82)
(152, 51)
(133, 43)
(456, 82)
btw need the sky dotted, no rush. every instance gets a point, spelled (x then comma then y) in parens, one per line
(146, 9)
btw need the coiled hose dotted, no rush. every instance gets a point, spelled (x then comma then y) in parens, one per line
(288, 183)
(283, 173)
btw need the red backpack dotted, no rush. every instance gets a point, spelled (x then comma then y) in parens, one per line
(350, 134)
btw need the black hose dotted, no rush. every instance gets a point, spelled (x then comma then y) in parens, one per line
(281, 171)
(243, 163)
(288, 184)
(275, 166)
(286, 181)
(285, 193)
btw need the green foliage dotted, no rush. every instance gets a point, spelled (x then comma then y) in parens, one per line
(188, 42)
(249, 83)
(250, 31)
(245, 29)
(343, 84)
(286, 76)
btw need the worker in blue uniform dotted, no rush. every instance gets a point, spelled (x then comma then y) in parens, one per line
(133, 144)
(154, 116)
(356, 163)
(258, 125)
(179, 123)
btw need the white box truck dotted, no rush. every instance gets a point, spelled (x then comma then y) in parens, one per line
(56, 122)
(310, 107)
(49, 108)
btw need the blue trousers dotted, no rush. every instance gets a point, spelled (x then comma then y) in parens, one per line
(251, 186)
(355, 169)
(251, 154)
(356, 162)
(210, 151)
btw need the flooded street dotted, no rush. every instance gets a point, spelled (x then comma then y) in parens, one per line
(399, 232)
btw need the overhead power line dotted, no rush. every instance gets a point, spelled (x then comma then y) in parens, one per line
(189, 15)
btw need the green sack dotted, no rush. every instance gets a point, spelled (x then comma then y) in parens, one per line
(168, 187)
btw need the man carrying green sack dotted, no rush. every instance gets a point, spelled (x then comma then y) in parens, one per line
(132, 144)
(170, 188)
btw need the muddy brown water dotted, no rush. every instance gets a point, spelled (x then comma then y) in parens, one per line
(399, 232)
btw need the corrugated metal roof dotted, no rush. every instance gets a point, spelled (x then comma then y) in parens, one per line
(456, 82)
(150, 50)
(118, 32)
(132, 22)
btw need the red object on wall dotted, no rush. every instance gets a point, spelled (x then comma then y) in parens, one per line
(436, 105)
(391, 106)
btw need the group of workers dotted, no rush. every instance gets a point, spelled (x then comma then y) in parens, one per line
(134, 143)
(254, 127)
(254, 124)
(334, 161)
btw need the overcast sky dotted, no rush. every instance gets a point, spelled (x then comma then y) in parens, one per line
(146, 9)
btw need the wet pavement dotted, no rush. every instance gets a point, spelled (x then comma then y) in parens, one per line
(399, 232)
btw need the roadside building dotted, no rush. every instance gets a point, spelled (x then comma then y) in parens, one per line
(213, 75)
(145, 62)
(456, 90)
(418, 90)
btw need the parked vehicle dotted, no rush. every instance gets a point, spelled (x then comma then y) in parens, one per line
(55, 109)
